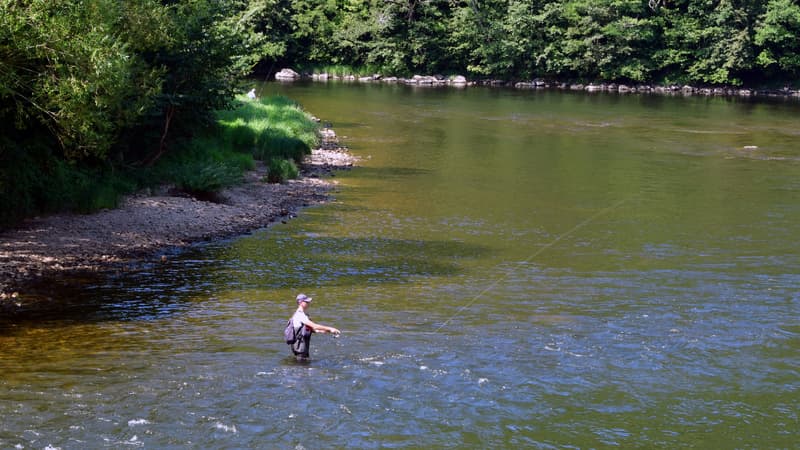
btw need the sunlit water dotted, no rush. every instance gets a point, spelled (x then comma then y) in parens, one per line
(533, 269)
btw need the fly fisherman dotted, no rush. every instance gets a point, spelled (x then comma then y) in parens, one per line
(303, 327)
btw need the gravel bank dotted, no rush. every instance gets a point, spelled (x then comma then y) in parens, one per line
(146, 226)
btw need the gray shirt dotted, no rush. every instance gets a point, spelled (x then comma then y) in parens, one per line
(298, 318)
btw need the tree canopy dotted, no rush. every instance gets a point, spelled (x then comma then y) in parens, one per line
(717, 42)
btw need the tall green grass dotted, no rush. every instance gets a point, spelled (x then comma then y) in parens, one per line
(275, 127)
(275, 130)
(344, 70)
(34, 181)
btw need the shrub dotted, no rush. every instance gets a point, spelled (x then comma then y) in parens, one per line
(269, 128)
(201, 178)
(280, 170)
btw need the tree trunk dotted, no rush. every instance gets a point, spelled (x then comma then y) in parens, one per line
(162, 145)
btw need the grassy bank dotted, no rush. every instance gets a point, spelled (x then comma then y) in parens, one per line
(34, 181)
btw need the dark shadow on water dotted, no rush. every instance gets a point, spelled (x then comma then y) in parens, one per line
(319, 260)
(259, 261)
(141, 292)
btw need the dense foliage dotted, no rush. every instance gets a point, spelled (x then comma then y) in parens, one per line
(274, 130)
(729, 42)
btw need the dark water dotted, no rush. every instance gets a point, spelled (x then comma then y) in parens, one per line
(532, 269)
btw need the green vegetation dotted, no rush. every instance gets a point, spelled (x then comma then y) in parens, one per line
(266, 129)
(101, 97)
(342, 70)
(716, 42)
(280, 169)
(274, 130)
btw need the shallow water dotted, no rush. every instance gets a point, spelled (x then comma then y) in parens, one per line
(535, 269)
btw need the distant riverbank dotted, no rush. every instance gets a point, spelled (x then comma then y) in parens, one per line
(459, 81)
(149, 224)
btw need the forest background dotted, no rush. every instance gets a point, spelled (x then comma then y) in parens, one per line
(99, 98)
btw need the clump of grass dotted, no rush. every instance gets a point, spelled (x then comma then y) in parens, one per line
(95, 190)
(203, 178)
(274, 127)
(340, 70)
(203, 166)
(280, 170)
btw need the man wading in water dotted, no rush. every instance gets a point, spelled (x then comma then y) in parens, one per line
(303, 327)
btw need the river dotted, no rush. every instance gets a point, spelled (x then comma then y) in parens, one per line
(535, 269)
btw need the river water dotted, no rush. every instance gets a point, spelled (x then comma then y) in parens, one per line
(509, 269)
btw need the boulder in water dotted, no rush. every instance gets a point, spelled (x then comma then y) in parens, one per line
(287, 75)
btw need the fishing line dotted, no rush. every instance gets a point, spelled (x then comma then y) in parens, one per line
(550, 244)
(571, 231)
(374, 332)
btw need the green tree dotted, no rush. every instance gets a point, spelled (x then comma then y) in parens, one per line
(64, 69)
(354, 37)
(88, 84)
(525, 38)
(478, 28)
(607, 39)
(777, 35)
(313, 25)
(201, 49)
(550, 55)
(710, 41)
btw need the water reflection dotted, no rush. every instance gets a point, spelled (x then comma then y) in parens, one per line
(157, 291)
(151, 292)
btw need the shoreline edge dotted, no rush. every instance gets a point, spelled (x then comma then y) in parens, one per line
(151, 225)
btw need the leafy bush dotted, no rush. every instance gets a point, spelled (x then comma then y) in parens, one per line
(35, 179)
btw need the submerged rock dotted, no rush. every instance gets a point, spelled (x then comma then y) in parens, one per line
(458, 80)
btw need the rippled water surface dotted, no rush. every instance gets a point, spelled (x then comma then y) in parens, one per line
(532, 269)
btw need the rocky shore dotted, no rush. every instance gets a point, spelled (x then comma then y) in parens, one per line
(459, 81)
(149, 225)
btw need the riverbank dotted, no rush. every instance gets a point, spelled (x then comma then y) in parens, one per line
(149, 225)
(460, 81)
